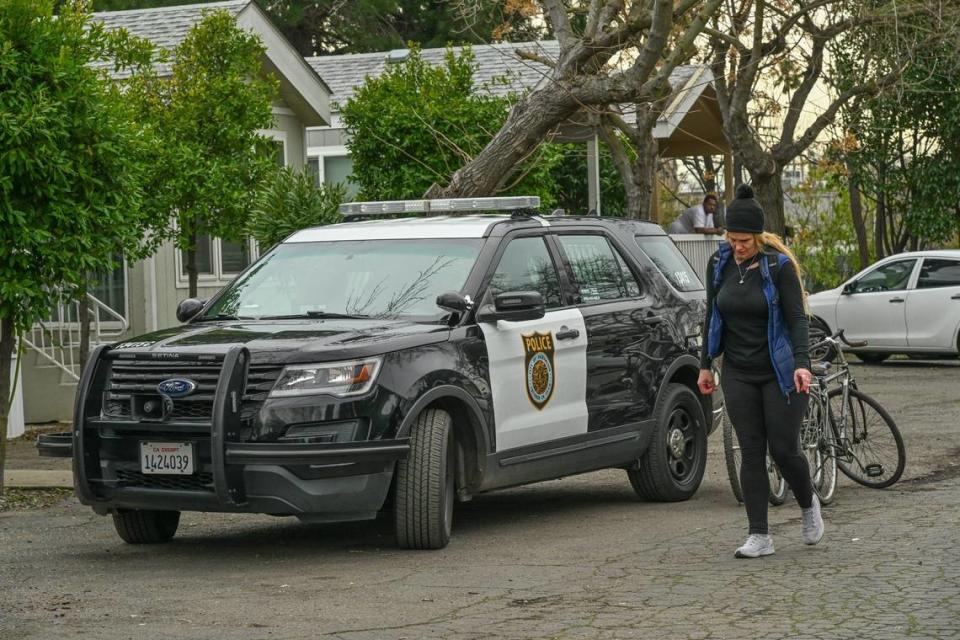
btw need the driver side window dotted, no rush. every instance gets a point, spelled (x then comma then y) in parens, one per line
(526, 266)
(889, 277)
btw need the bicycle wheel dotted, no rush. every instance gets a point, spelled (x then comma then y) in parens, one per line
(731, 453)
(872, 451)
(817, 445)
(778, 485)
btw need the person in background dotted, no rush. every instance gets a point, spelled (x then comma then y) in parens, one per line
(756, 318)
(698, 219)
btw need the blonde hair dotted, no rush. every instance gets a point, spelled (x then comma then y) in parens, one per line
(767, 239)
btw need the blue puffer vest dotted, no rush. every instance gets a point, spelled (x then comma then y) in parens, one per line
(778, 337)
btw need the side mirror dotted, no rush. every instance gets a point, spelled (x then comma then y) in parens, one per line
(849, 288)
(454, 301)
(514, 306)
(188, 309)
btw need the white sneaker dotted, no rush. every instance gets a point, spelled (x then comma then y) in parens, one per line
(812, 522)
(757, 545)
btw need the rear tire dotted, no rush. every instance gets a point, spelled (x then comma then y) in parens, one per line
(878, 454)
(819, 331)
(423, 504)
(872, 358)
(672, 467)
(136, 526)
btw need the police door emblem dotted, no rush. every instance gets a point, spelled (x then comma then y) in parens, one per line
(538, 363)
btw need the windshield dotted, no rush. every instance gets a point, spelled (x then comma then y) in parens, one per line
(364, 278)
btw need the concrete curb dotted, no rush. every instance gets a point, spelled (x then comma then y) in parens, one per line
(38, 479)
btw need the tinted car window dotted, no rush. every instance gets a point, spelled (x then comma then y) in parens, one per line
(599, 272)
(890, 277)
(938, 272)
(670, 262)
(526, 266)
(380, 278)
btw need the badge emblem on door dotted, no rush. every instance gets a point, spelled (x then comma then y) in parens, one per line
(538, 348)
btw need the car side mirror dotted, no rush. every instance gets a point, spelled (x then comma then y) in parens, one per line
(849, 288)
(454, 301)
(188, 309)
(513, 306)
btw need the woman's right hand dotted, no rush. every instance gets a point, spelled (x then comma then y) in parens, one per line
(706, 383)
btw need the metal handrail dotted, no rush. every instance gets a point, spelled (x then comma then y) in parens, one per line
(57, 337)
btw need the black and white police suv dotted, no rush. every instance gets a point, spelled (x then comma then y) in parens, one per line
(403, 364)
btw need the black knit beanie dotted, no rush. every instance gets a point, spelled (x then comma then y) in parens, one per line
(744, 214)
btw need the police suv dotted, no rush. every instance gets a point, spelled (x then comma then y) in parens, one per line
(402, 364)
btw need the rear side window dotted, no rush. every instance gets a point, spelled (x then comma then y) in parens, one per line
(600, 273)
(939, 272)
(670, 262)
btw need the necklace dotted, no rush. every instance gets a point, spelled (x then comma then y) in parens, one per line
(745, 272)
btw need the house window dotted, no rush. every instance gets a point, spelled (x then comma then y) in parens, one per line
(218, 260)
(332, 165)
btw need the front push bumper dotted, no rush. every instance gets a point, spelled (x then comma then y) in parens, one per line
(315, 482)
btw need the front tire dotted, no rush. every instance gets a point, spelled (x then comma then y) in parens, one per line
(872, 358)
(672, 467)
(136, 526)
(423, 504)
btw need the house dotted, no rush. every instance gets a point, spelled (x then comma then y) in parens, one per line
(143, 296)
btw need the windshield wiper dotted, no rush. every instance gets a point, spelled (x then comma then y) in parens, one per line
(326, 315)
(225, 316)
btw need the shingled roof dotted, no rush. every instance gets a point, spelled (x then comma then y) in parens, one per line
(499, 71)
(166, 27)
(344, 73)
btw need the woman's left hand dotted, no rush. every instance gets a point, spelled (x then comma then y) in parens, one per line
(802, 379)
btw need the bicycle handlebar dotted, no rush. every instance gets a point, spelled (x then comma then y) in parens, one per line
(839, 337)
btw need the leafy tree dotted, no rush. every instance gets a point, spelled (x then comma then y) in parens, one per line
(71, 165)
(899, 153)
(571, 185)
(210, 157)
(414, 125)
(289, 201)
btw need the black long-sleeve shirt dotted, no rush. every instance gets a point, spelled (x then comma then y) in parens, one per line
(745, 315)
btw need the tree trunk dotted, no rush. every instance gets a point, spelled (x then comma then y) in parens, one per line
(769, 192)
(880, 226)
(529, 123)
(84, 320)
(856, 212)
(192, 264)
(624, 167)
(645, 178)
(7, 342)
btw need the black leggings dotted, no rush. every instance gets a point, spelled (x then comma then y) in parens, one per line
(762, 418)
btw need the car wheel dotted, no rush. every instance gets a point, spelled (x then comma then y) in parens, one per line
(137, 526)
(818, 332)
(423, 503)
(672, 467)
(873, 358)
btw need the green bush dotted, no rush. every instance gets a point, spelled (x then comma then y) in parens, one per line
(289, 201)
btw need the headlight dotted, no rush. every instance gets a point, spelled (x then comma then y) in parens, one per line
(339, 379)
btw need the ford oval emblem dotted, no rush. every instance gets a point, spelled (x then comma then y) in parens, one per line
(177, 387)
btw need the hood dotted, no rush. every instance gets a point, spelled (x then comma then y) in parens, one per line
(288, 341)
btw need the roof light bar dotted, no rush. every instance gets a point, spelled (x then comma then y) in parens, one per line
(445, 205)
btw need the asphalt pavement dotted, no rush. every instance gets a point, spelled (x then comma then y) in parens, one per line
(574, 558)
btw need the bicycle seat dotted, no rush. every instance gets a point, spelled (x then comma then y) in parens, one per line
(820, 368)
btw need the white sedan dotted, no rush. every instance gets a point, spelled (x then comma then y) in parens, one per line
(906, 303)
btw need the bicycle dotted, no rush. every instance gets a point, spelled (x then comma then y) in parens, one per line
(846, 429)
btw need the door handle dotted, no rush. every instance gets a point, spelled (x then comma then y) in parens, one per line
(567, 334)
(653, 320)
(895, 300)
(955, 296)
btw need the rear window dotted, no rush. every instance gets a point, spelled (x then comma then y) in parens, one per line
(670, 262)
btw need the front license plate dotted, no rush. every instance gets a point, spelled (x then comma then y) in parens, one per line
(174, 458)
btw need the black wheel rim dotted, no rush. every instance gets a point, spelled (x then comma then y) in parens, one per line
(683, 450)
